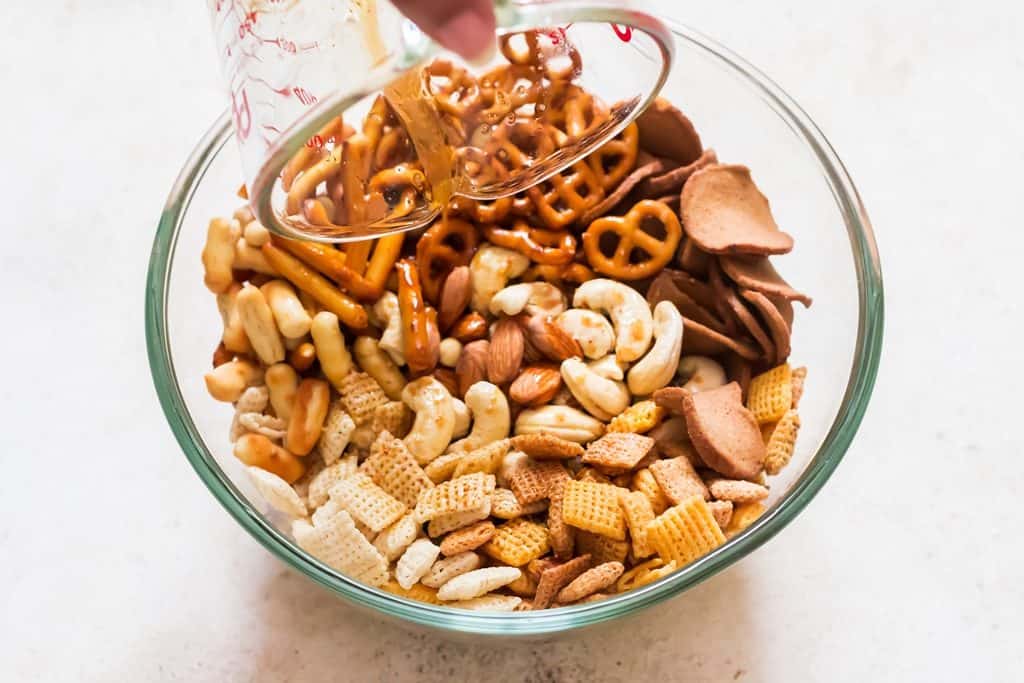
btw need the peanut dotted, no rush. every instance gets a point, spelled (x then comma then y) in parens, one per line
(308, 413)
(219, 254)
(335, 360)
(227, 382)
(282, 383)
(291, 318)
(258, 320)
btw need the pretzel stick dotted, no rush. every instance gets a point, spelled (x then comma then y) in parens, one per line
(333, 264)
(314, 284)
(384, 256)
(420, 353)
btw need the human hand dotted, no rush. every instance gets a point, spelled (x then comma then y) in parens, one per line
(465, 27)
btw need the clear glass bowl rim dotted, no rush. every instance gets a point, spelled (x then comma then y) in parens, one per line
(862, 378)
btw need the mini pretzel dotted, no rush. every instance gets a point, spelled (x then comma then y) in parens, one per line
(616, 158)
(400, 187)
(546, 247)
(444, 246)
(629, 230)
(574, 112)
(576, 273)
(455, 90)
(538, 55)
(565, 196)
(393, 148)
(505, 89)
(419, 327)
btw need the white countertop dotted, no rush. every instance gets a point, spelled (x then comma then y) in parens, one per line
(118, 565)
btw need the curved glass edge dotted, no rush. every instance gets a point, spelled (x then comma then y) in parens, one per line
(862, 379)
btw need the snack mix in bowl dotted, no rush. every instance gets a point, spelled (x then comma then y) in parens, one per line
(538, 401)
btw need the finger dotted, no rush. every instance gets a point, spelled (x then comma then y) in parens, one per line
(465, 27)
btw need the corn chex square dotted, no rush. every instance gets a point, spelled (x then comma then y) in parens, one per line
(637, 509)
(770, 394)
(561, 535)
(685, 532)
(517, 542)
(678, 480)
(594, 507)
(536, 480)
(452, 521)
(335, 434)
(367, 502)
(325, 479)
(645, 483)
(337, 542)
(443, 466)
(546, 447)
(467, 538)
(394, 417)
(360, 394)
(417, 592)
(394, 469)
(782, 443)
(601, 548)
(617, 452)
(639, 418)
(554, 579)
(486, 459)
(505, 505)
(457, 495)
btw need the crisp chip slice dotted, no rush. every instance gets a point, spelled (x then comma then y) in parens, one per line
(336, 542)
(505, 505)
(638, 511)
(771, 394)
(601, 548)
(678, 480)
(394, 469)
(594, 507)
(478, 582)
(393, 541)
(799, 377)
(336, 433)
(737, 490)
(443, 466)
(644, 574)
(639, 418)
(555, 578)
(617, 452)
(417, 592)
(782, 442)
(561, 536)
(394, 417)
(320, 486)
(360, 394)
(415, 562)
(489, 603)
(277, 492)
(743, 516)
(685, 532)
(591, 581)
(443, 524)
(546, 447)
(458, 495)
(467, 538)
(518, 541)
(536, 480)
(722, 512)
(367, 502)
(447, 569)
(486, 459)
(645, 483)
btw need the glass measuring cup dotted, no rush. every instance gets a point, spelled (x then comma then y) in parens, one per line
(303, 74)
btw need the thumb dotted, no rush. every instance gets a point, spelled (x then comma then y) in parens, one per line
(465, 27)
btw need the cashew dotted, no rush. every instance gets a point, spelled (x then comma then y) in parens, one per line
(387, 316)
(701, 373)
(282, 382)
(561, 421)
(629, 312)
(227, 382)
(491, 417)
(591, 329)
(219, 254)
(490, 270)
(248, 257)
(291, 318)
(258, 321)
(462, 418)
(603, 398)
(608, 367)
(255, 234)
(656, 369)
(435, 419)
(451, 349)
(335, 360)
(535, 297)
(378, 365)
(234, 337)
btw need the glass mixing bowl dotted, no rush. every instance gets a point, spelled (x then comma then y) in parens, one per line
(747, 119)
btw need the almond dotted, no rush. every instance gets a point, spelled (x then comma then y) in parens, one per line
(449, 379)
(550, 339)
(536, 385)
(506, 352)
(469, 328)
(472, 365)
(455, 295)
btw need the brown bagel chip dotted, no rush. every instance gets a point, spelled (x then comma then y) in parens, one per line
(619, 193)
(666, 288)
(670, 182)
(724, 431)
(739, 370)
(703, 341)
(665, 131)
(692, 259)
(774, 320)
(724, 213)
(758, 274)
(727, 295)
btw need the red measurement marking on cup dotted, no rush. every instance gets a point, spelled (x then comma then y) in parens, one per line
(625, 33)
(286, 45)
(306, 97)
(241, 114)
(315, 142)
(247, 24)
